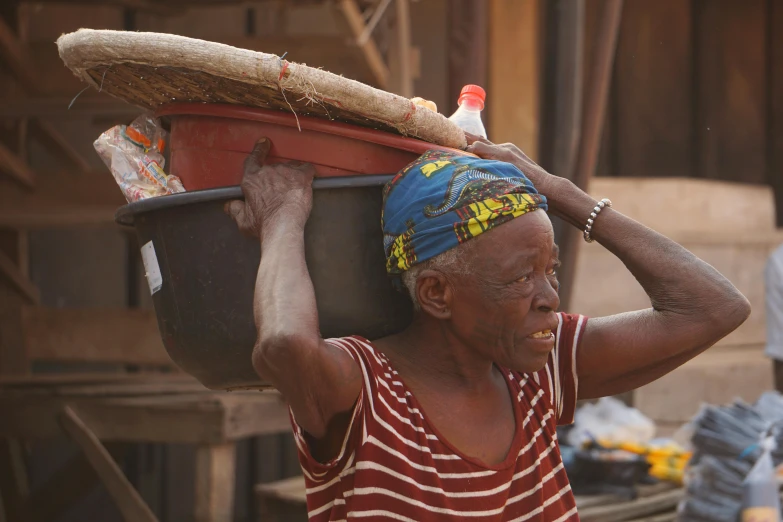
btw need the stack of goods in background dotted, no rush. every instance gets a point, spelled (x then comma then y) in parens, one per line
(731, 448)
(720, 467)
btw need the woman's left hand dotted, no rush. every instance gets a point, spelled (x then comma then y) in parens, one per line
(510, 153)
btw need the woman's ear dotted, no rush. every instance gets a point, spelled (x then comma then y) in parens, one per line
(435, 294)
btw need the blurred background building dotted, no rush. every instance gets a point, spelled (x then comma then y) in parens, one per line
(672, 108)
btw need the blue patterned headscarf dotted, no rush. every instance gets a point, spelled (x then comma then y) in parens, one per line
(446, 198)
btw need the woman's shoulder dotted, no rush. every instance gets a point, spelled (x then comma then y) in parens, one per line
(363, 351)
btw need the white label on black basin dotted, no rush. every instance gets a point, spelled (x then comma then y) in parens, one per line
(151, 268)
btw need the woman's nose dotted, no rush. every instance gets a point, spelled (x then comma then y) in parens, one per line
(547, 298)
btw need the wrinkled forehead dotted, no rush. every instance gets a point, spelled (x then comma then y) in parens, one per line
(528, 239)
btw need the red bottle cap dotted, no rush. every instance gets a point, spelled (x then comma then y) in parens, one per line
(473, 93)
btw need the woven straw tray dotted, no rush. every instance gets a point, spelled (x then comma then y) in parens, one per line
(150, 70)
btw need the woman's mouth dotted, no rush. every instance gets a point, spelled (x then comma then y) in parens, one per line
(543, 334)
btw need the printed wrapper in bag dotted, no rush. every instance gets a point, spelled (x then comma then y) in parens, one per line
(134, 154)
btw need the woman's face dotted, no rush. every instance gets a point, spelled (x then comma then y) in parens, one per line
(505, 310)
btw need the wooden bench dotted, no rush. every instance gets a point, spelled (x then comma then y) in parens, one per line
(285, 501)
(282, 501)
(130, 409)
(103, 412)
(655, 503)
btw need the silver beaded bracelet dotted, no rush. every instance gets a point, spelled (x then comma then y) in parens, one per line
(594, 214)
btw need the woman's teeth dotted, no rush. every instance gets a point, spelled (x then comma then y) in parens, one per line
(543, 334)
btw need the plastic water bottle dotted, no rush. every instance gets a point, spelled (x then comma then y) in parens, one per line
(760, 496)
(468, 116)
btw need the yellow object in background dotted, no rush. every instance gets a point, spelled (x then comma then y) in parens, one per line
(760, 514)
(667, 462)
(667, 474)
(425, 103)
(671, 450)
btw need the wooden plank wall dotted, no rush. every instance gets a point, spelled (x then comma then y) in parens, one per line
(652, 89)
(101, 267)
(696, 91)
(70, 267)
(731, 89)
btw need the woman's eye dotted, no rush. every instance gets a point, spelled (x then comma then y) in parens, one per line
(551, 272)
(523, 279)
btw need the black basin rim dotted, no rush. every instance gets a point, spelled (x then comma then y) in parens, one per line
(126, 213)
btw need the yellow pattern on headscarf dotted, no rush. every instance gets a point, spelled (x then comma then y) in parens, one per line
(400, 253)
(490, 209)
(428, 169)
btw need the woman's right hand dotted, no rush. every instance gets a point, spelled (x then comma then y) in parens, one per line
(272, 192)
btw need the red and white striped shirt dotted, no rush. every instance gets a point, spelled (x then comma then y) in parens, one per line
(394, 466)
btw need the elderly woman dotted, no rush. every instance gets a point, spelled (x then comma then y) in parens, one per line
(456, 416)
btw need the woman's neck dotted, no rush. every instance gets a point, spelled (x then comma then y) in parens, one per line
(428, 353)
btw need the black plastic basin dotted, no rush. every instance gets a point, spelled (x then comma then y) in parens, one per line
(208, 268)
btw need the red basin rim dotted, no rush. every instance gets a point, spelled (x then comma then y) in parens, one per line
(304, 122)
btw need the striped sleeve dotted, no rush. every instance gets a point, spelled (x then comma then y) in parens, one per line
(324, 472)
(561, 371)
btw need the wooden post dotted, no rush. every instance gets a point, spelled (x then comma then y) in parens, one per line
(16, 290)
(592, 127)
(513, 95)
(215, 477)
(353, 16)
(404, 44)
(598, 92)
(562, 92)
(380, 9)
(775, 97)
(562, 97)
(468, 49)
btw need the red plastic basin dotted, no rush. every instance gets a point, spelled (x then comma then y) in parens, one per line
(209, 143)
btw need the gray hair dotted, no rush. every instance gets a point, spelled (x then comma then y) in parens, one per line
(450, 263)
